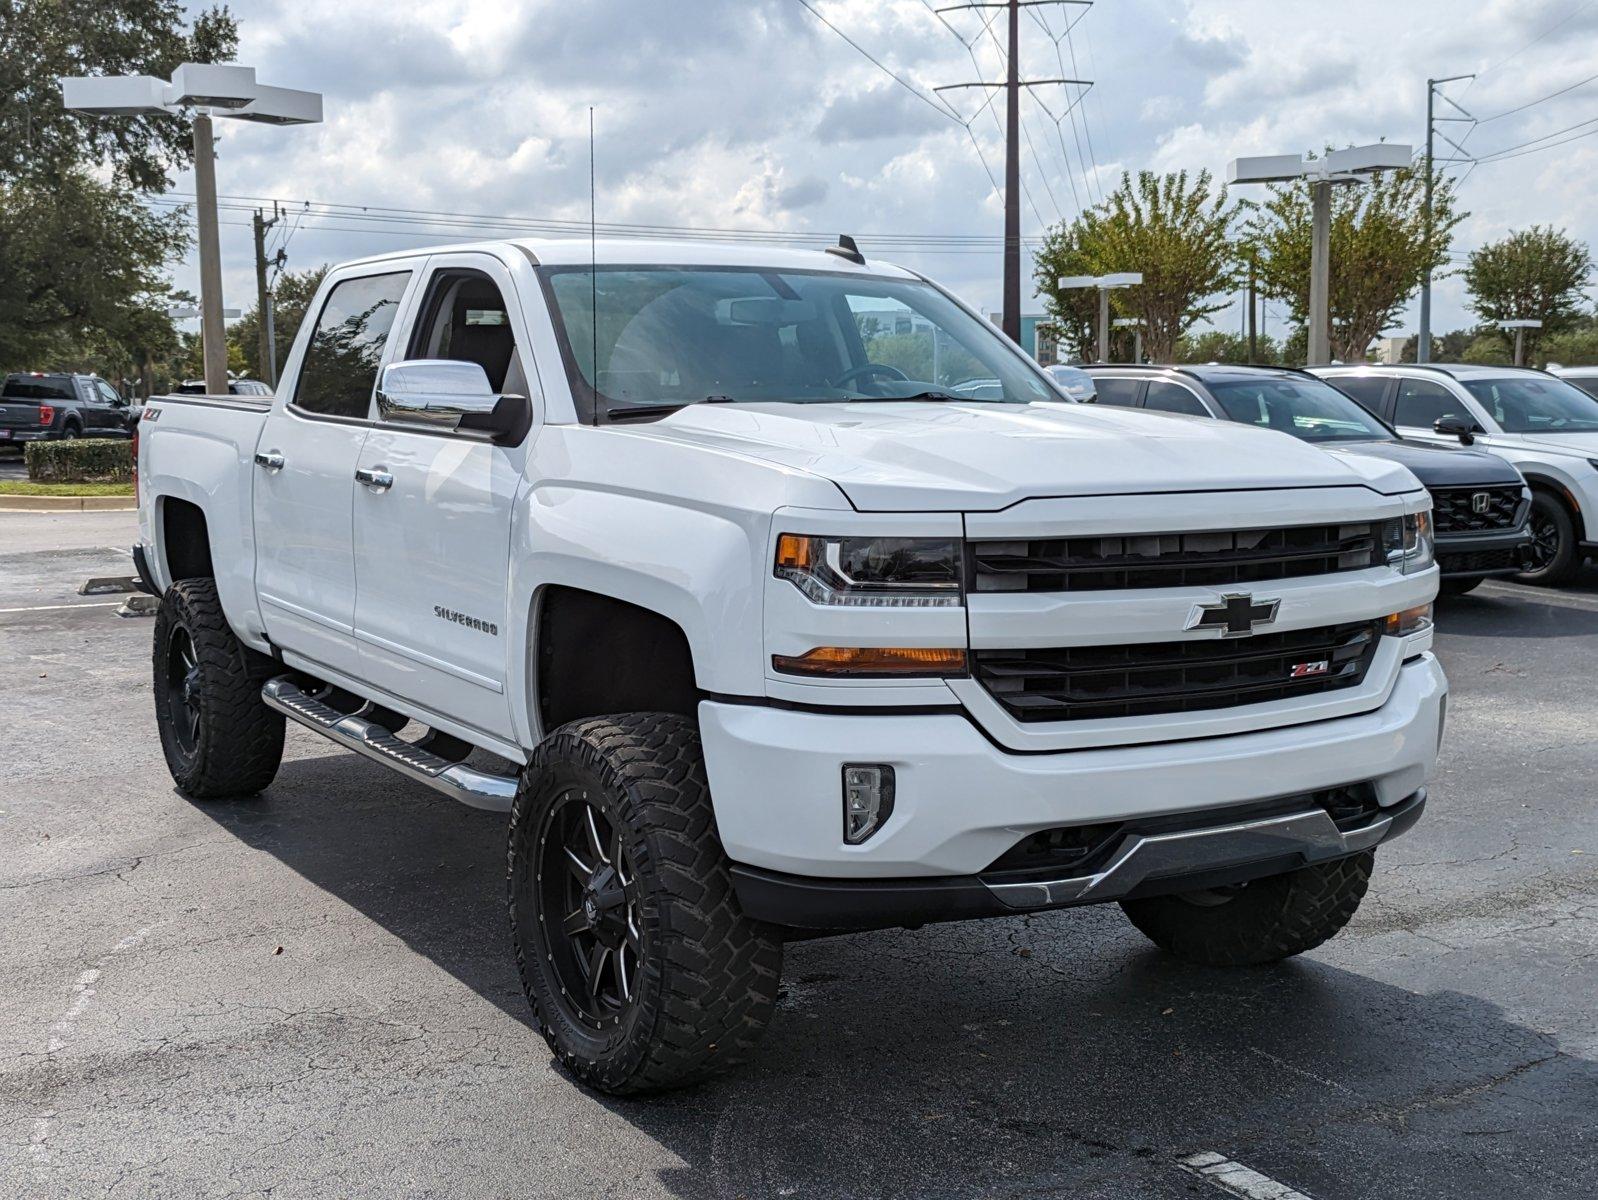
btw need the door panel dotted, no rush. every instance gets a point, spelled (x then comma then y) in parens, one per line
(432, 564)
(304, 475)
(432, 550)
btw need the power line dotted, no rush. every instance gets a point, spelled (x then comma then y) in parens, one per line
(891, 74)
(1508, 151)
(1509, 112)
(1505, 156)
(1554, 28)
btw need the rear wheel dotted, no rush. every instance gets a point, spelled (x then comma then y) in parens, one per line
(219, 738)
(70, 433)
(1262, 921)
(642, 972)
(1554, 554)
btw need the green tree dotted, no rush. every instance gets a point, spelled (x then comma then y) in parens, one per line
(1489, 348)
(1534, 273)
(81, 270)
(42, 39)
(1215, 345)
(1379, 251)
(1170, 227)
(291, 296)
(1573, 347)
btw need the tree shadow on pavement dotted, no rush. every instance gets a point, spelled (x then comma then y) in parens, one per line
(1046, 1056)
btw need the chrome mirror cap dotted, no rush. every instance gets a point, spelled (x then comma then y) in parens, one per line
(436, 392)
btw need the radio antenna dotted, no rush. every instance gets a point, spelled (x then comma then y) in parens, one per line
(593, 260)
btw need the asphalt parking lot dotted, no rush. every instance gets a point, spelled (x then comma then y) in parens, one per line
(312, 993)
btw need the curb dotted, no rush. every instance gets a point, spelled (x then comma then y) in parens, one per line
(67, 504)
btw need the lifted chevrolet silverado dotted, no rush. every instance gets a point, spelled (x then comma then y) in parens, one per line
(774, 594)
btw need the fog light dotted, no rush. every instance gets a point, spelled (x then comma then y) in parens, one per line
(867, 799)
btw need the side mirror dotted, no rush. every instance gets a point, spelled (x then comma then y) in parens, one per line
(445, 395)
(1456, 426)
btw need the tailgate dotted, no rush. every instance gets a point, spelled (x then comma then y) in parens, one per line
(19, 414)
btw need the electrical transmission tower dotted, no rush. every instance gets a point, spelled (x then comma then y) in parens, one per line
(1012, 84)
(1423, 342)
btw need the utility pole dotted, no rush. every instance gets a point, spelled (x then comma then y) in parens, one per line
(1423, 342)
(1320, 307)
(1013, 83)
(266, 334)
(1253, 332)
(213, 334)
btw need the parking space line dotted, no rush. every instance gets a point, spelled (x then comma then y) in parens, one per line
(58, 607)
(1539, 596)
(1236, 1179)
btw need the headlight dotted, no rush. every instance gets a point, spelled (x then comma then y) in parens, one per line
(872, 572)
(1407, 542)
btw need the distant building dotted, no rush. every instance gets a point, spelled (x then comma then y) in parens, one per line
(1390, 350)
(1038, 335)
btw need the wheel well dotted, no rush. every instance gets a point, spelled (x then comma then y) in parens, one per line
(1540, 483)
(185, 540)
(598, 655)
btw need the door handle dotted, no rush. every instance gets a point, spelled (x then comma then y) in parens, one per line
(272, 461)
(378, 481)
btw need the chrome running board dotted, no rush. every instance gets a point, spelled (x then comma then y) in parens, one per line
(479, 789)
(1311, 835)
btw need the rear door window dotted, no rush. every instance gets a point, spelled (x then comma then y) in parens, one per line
(1368, 390)
(1164, 396)
(346, 347)
(1120, 392)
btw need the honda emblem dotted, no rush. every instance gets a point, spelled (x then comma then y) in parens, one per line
(1480, 502)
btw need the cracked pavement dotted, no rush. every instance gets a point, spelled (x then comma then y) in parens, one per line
(312, 993)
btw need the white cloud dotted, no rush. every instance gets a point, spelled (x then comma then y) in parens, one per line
(727, 113)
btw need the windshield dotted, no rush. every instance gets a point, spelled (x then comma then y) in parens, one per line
(1532, 405)
(681, 335)
(1305, 408)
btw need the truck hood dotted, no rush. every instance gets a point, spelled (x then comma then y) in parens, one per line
(1437, 466)
(1583, 444)
(942, 456)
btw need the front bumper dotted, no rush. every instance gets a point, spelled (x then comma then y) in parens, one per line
(1147, 863)
(962, 801)
(1482, 555)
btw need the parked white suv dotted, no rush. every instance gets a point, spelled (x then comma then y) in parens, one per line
(1544, 425)
(777, 627)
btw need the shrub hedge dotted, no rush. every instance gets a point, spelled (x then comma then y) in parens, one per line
(86, 460)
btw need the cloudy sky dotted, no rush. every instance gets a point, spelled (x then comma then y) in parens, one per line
(754, 114)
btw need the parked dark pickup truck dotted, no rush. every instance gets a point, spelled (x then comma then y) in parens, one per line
(35, 406)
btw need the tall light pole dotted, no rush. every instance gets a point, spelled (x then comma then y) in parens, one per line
(1135, 324)
(226, 90)
(1338, 166)
(1520, 327)
(1105, 284)
(1423, 342)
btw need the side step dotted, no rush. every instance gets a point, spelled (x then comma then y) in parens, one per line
(476, 788)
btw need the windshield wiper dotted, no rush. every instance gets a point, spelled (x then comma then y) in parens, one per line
(927, 395)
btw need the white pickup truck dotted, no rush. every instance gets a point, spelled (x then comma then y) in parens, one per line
(786, 597)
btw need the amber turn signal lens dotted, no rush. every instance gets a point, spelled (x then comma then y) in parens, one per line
(793, 550)
(866, 661)
(1411, 620)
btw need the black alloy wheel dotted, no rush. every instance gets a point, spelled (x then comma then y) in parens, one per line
(183, 690)
(588, 888)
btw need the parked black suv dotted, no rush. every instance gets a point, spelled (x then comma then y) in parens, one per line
(1479, 500)
(35, 406)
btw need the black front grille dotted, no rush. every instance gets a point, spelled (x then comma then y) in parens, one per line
(1454, 509)
(1475, 562)
(1078, 683)
(1162, 560)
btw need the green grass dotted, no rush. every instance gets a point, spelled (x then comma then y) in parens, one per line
(23, 487)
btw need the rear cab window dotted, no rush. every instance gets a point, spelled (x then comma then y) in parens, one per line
(339, 372)
(1120, 392)
(32, 388)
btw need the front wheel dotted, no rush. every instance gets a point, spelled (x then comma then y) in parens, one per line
(1262, 921)
(642, 972)
(1554, 554)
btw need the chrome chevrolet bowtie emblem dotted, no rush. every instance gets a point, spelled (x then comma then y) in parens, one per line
(1236, 614)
